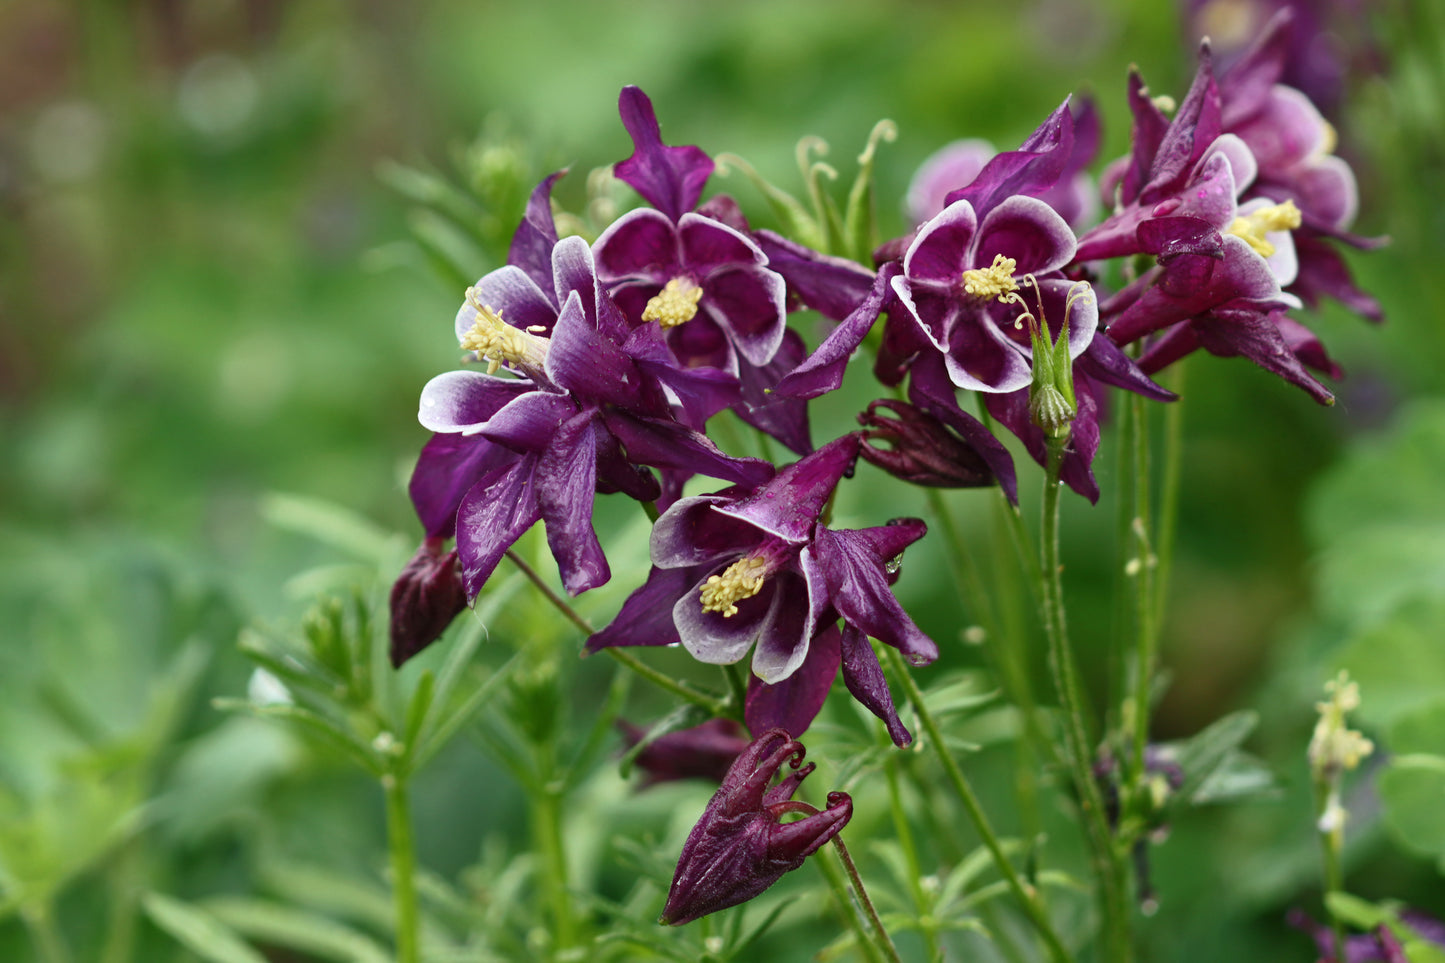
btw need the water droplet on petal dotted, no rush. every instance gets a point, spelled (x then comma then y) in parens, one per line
(916, 658)
(894, 565)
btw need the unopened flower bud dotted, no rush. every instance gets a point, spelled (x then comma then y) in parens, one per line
(920, 448)
(425, 599)
(739, 848)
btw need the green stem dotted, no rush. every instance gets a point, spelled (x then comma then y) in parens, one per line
(849, 907)
(547, 826)
(904, 832)
(1143, 585)
(1169, 497)
(49, 942)
(737, 686)
(1113, 905)
(403, 868)
(1027, 897)
(712, 703)
(885, 942)
(1331, 845)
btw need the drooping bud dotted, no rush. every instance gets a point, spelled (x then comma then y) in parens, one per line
(739, 848)
(920, 448)
(425, 599)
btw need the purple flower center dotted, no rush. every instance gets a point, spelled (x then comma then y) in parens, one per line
(675, 304)
(994, 281)
(744, 578)
(498, 343)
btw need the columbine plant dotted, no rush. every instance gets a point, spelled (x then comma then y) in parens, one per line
(602, 368)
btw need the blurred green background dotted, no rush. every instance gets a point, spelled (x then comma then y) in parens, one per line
(211, 289)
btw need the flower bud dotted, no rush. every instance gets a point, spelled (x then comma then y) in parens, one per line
(921, 449)
(425, 598)
(739, 848)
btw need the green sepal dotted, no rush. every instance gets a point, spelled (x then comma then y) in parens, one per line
(793, 218)
(860, 223)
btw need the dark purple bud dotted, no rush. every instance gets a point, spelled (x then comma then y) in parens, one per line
(919, 448)
(739, 848)
(426, 597)
(702, 752)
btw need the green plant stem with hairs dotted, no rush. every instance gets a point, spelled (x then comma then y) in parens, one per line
(1027, 896)
(402, 844)
(1108, 867)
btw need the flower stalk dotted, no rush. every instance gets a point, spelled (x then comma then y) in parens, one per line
(402, 846)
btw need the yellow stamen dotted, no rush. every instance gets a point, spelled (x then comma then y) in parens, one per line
(675, 304)
(1165, 103)
(1253, 227)
(741, 580)
(996, 280)
(498, 343)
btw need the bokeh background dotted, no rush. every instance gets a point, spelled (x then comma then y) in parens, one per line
(223, 281)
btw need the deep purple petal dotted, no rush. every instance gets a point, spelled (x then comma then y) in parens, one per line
(1033, 169)
(588, 365)
(573, 271)
(1253, 334)
(1027, 230)
(566, 484)
(823, 370)
(646, 616)
(853, 563)
(832, 286)
(664, 444)
(529, 422)
(692, 532)
(639, 244)
(785, 419)
(450, 464)
(1323, 273)
(940, 251)
(864, 678)
(708, 243)
(460, 400)
(670, 178)
(532, 245)
(493, 515)
(783, 642)
(749, 304)
(1195, 126)
(795, 702)
(981, 355)
(1104, 361)
(788, 506)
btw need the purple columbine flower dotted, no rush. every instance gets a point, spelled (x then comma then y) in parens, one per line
(739, 847)
(582, 412)
(914, 446)
(756, 569)
(705, 284)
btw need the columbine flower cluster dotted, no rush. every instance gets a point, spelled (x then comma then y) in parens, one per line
(596, 368)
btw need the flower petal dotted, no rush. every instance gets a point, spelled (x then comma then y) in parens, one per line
(531, 248)
(748, 303)
(510, 292)
(864, 678)
(853, 563)
(940, 252)
(494, 514)
(529, 422)
(566, 485)
(667, 444)
(639, 244)
(722, 640)
(794, 702)
(588, 365)
(450, 464)
(789, 504)
(783, 641)
(671, 178)
(692, 532)
(708, 243)
(823, 370)
(463, 401)
(1027, 230)
(646, 616)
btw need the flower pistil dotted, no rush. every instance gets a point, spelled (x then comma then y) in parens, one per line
(675, 304)
(742, 579)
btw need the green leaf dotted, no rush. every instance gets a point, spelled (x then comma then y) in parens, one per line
(332, 525)
(1398, 663)
(294, 929)
(199, 931)
(1203, 752)
(1358, 913)
(416, 715)
(1412, 787)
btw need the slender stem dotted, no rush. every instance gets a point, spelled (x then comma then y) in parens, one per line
(737, 688)
(49, 941)
(849, 907)
(910, 856)
(403, 867)
(1143, 563)
(885, 942)
(1114, 910)
(1169, 497)
(1026, 895)
(712, 703)
(547, 826)
(1331, 845)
